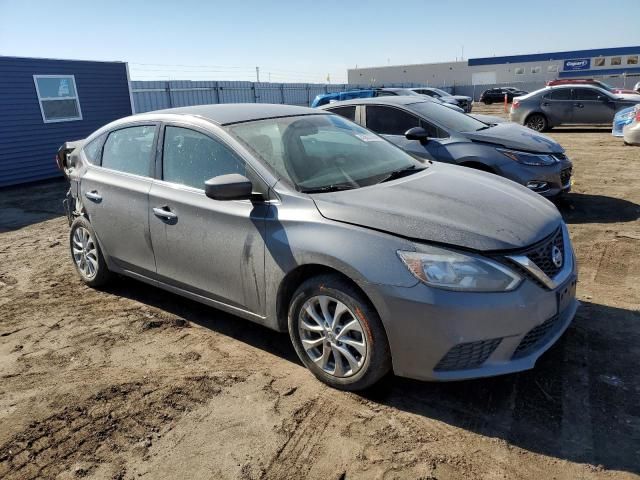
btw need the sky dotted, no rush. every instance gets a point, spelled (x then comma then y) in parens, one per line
(303, 40)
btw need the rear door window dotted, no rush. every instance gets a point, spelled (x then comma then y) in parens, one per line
(129, 150)
(347, 112)
(559, 94)
(389, 120)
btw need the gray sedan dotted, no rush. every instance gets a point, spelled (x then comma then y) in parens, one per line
(302, 221)
(507, 149)
(464, 102)
(568, 104)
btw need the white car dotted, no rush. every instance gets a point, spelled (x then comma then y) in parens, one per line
(631, 132)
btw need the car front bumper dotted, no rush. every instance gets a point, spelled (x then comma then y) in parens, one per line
(442, 335)
(557, 178)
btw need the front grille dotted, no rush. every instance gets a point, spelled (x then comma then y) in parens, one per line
(565, 176)
(536, 337)
(467, 355)
(541, 254)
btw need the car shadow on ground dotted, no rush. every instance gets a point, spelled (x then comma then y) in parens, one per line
(585, 208)
(44, 202)
(581, 403)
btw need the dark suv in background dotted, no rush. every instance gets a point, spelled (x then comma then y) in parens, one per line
(497, 95)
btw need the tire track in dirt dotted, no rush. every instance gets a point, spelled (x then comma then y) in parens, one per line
(296, 456)
(120, 417)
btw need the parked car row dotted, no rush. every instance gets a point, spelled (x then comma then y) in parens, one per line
(496, 95)
(374, 258)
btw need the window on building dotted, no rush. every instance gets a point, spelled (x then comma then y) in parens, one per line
(616, 60)
(536, 69)
(552, 68)
(633, 60)
(58, 98)
(599, 62)
(129, 149)
(191, 158)
(519, 70)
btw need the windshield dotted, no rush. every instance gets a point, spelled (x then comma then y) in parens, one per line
(442, 93)
(447, 117)
(323, 151)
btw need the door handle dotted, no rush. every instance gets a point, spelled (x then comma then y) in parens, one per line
(579, 105)
(93, 195)
(545, 104)
(164, 213)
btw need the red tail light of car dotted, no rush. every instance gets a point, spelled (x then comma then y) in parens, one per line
(638, 114)
(515, 104)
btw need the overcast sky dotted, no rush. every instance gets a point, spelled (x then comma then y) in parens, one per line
(301, 40)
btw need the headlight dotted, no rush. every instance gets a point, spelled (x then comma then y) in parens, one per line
(535, 159)
(442, 268)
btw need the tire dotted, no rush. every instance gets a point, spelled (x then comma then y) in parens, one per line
(537, 122)
(320, 349)
(86, 254)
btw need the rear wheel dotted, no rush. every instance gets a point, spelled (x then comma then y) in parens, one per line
(86, 254)
(537, 122)
(338, 334)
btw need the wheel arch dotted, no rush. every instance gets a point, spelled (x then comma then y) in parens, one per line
(292, 280)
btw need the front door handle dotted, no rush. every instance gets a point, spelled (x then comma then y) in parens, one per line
(93, 195)
(164, 213)
(579, 105)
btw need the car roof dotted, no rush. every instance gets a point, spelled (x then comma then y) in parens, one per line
(396, 100)
(227, 113)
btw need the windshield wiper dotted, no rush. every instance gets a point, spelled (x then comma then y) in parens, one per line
(328, 188)
(401, 173)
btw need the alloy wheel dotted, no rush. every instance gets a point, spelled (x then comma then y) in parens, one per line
(332, 336)
(85, 253)
(536, 122)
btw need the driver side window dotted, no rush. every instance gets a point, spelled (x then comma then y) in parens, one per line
(191, 158)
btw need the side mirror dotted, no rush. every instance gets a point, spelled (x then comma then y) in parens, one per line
(228, 187)
(417, 133)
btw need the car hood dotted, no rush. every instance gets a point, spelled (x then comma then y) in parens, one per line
(450, 205)
(518, 137)
(635, 97)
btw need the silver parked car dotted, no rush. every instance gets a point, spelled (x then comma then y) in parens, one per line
(302, 221)
(462, 101)
(568, 104)
(431, 131)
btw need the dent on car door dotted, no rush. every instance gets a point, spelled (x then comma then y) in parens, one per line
(210, 247)
(392, 123)
(115, 197)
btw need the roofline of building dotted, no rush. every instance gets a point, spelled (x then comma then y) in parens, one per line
(405, 65)
(566, 55)
(61, 59)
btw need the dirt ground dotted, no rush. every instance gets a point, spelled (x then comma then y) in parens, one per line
(132, 382)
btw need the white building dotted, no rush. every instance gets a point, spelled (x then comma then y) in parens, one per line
(533, 68)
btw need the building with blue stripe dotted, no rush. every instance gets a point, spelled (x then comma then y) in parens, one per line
(620, 64)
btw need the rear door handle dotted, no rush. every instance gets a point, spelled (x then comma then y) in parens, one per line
(93, 195)
(164, 213)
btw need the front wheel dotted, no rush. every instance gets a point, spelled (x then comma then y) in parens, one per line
(337, 334)
(537, 122)
(86, 254)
